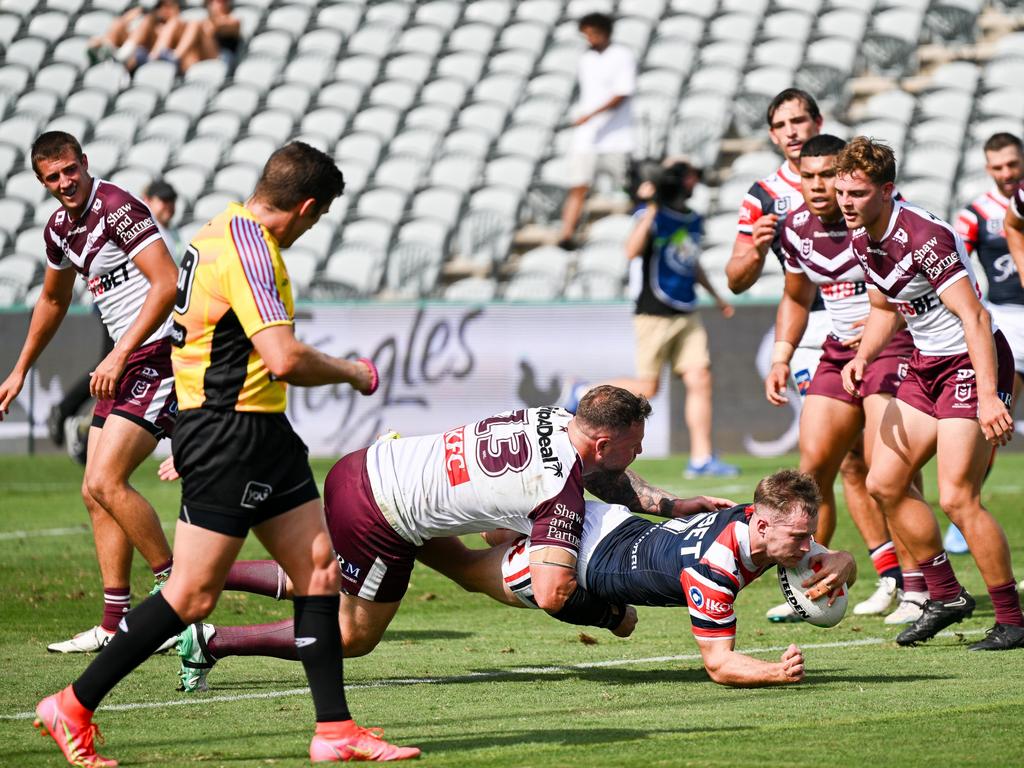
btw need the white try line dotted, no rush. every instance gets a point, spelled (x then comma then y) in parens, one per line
(195, 701)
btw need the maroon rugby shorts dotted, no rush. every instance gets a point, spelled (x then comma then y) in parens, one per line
(375, 561)
(944, 387)
(145, 391)
(882, 377)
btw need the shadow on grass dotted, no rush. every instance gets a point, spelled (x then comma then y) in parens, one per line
(415, 635)
(559, 737)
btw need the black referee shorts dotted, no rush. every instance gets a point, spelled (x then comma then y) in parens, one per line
(239, 469)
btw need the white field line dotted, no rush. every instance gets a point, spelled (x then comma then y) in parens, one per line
(186, 701)
(71, 531)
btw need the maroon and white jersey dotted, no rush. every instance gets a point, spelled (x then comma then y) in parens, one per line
(516, 470)
(101, 245)
(918, 258)
(822, 252)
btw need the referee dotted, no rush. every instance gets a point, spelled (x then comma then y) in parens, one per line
(242, 466)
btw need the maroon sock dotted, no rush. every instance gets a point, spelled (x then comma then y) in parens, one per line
(277, 640)
(939, 576)
(1006, 603)
(117, 601)
(163, 570)
(260, 577)
(913, 581)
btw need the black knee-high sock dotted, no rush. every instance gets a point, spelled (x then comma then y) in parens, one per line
(318, 640)
(140, 632)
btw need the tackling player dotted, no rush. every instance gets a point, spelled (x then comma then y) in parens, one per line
(108, 236)
(793, 118)
(242, 465)
(816, 244)
(525, 470)
(954, 402)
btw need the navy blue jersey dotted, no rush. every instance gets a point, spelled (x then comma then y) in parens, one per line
(702, 562)
(670, 262)
(980, 224)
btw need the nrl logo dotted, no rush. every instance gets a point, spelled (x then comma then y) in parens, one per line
(806, 246)
(781, 205)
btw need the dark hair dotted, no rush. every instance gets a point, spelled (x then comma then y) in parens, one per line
(612, 408)
(297, 172)
(161, 190)
(822, 145)
(599, 21)
(780, 491)
(674, 185)
(51, 145)
(794, 94)
(1002, 140)
(874, 159)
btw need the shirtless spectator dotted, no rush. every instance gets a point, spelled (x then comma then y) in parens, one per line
(215, 37)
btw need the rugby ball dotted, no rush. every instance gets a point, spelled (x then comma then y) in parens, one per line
(817, 612)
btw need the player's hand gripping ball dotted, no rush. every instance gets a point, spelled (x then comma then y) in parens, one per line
(817, 612)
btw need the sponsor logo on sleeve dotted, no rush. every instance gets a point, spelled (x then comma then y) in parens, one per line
(255, 494)
(455, 456)
(565, 525)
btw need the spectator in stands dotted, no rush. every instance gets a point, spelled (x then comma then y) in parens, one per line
(218, 36)
(150, 30)
(604, 117)
(664, 250)
(162, 200)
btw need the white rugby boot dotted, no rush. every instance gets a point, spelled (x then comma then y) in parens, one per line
(782, 613)
(880, 601)
(90, 641)
(909, 609)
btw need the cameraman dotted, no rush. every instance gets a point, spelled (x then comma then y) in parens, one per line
(664, 249)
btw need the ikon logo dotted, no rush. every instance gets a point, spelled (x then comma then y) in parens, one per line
(255, 494)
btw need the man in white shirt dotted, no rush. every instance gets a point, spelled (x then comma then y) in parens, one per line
(604, 117)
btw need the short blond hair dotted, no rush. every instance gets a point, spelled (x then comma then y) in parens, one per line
(875, 159)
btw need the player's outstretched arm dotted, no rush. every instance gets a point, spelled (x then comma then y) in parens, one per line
(637, 495)
(290, 360)
(727, 667)
(52, 305)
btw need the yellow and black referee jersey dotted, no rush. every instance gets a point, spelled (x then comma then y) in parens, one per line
(231, 284)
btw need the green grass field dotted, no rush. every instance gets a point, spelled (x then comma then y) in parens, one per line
(476, 684)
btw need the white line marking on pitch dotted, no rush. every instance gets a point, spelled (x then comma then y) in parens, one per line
(75, 530)
(555, 670)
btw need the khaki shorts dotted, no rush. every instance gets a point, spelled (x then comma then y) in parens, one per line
(584, 167)
(680, 339)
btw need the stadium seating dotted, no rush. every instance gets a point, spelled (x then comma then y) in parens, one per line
(449, 118)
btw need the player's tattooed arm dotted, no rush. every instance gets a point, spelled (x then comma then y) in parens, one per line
(639, 496)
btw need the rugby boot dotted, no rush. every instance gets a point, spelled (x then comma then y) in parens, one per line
(880, 600)
(89, 641)
(1001, 637)
(909, 609)
(196, 660)
(936, 616)
(782, 613)
(364, 745)
(67, 722)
